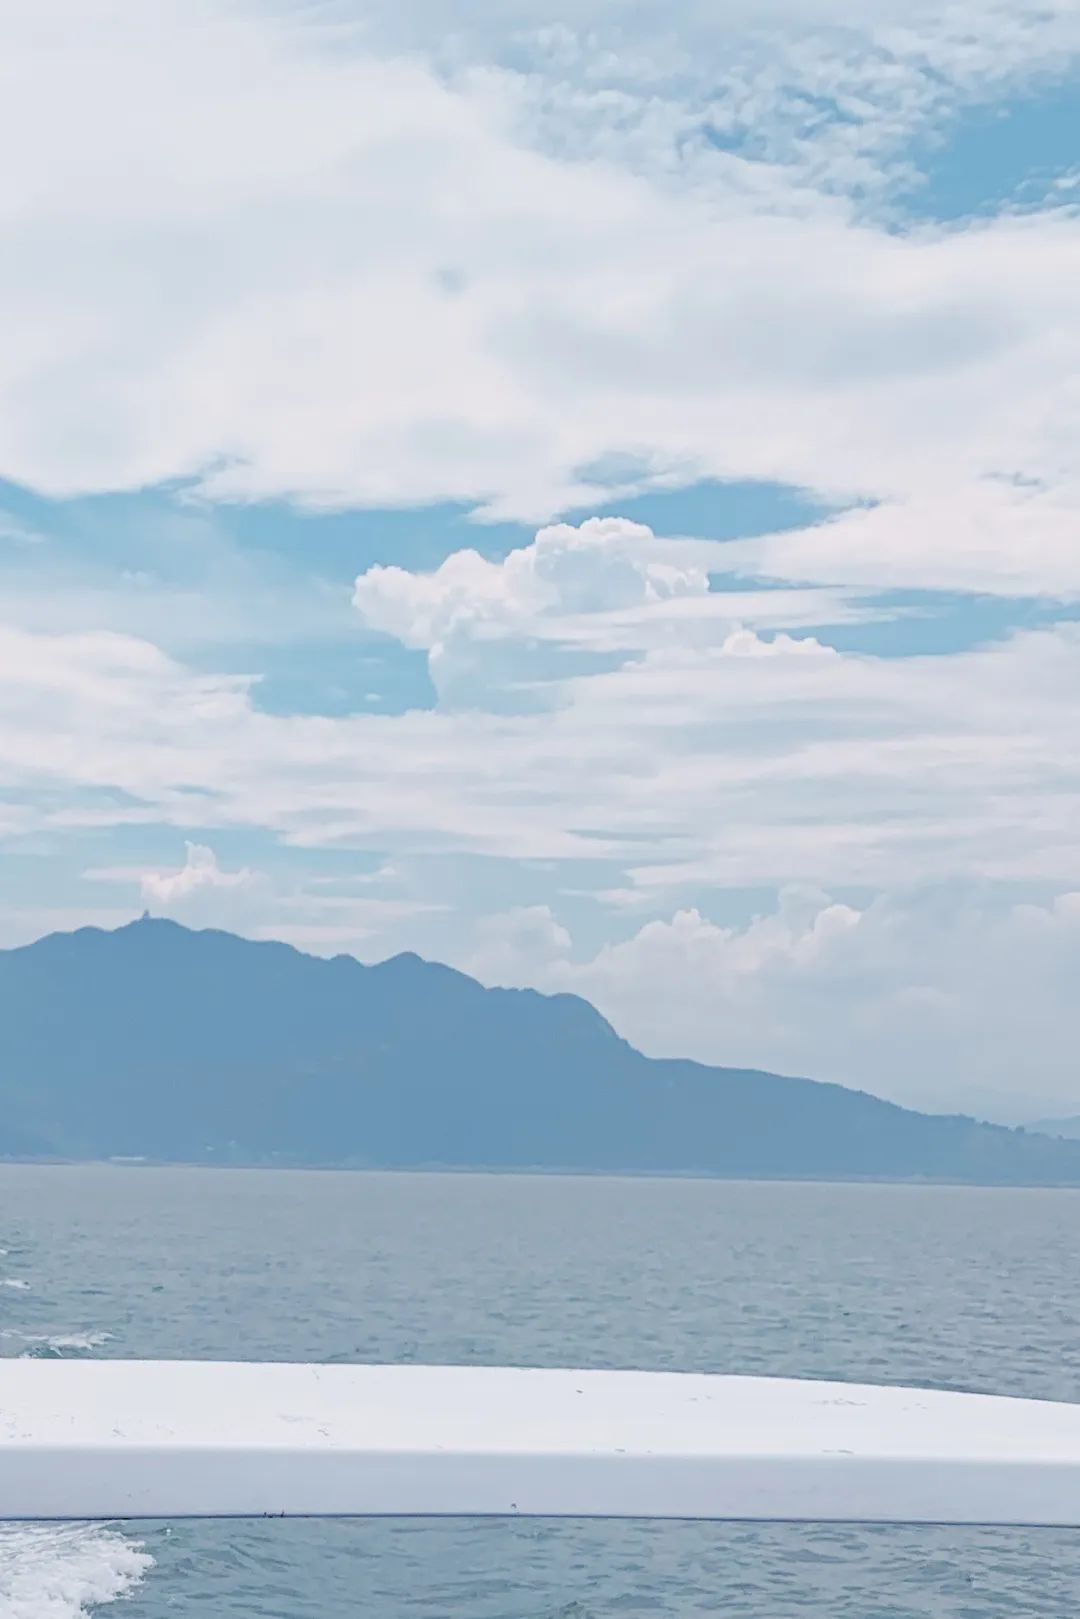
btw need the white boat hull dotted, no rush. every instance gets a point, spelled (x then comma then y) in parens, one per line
(143, 1439)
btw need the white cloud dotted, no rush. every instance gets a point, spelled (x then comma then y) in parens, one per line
(200, 871)
(490, 628)
(998, 539)
(679, 767)
(368, 275)
(744, 643)
(827, 90)
(495, 630)
(607, 563)
(516, 947)
(936, 1001)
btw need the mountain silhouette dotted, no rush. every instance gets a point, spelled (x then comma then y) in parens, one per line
(156, 1041)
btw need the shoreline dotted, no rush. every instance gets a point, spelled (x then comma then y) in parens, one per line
(536, 1172)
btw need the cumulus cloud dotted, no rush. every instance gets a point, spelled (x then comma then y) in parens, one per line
(606, 585)
(935, 1000)
(605, 564)
(744, 643)
(199, 872)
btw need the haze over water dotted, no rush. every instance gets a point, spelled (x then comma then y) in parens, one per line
(941, 1286)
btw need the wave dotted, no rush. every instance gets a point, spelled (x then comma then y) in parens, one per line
(14, 1282)
(59, 1343)
(60, 1572)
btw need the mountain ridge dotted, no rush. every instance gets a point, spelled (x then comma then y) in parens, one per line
(1067, 1128)
(154, 1040)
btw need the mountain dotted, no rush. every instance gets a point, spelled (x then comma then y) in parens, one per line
(156, 1041)
(1068, 1128)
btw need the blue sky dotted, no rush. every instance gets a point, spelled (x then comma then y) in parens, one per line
(593, 501)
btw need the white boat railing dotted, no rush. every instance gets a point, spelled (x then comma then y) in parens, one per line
(100, 1439)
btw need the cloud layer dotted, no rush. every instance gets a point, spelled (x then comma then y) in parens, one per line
(739, 761)
(369, 276)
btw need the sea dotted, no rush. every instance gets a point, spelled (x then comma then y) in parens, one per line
(941, 1286)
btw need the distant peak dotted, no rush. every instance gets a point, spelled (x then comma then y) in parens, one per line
(156, 922)
(409, 962)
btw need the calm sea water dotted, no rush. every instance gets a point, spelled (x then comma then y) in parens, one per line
(940, 1286)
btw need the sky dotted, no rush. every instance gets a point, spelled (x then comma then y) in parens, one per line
(586, 492)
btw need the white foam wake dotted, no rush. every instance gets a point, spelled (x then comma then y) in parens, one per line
(58, 1342)
(15, 1282)
(63, 1571)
